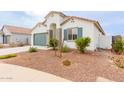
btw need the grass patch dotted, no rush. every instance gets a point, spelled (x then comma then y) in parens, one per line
(65, 49)
(32, 49)
(66, 63)
(8, 56)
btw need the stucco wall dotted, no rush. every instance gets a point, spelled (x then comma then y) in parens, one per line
(57, 19)
(97, 36)
(106, 42)
(102, 41)
(1, 39)
(88, 31)
(16, 38)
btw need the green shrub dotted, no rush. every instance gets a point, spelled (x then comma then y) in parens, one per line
(118, 46)
(53, 43)
(8, 56)
(82, 43)
(65, 49)
(32, 49)
(66, 63)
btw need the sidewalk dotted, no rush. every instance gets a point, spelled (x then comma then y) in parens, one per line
(14, 73)
(6, 51)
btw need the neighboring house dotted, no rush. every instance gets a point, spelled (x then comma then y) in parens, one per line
(15, 35)
(1, 38)
(67, 29)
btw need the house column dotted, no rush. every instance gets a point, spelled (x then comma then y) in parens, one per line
(59, 34)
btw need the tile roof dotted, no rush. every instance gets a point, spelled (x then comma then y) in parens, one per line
(56, 12)
(18, 30)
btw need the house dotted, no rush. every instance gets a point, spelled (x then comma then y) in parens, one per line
(1, 39)
(67, 29)
(15, 35)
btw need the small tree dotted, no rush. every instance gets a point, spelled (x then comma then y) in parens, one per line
(82, 43)
(53, 43)
(118, 46)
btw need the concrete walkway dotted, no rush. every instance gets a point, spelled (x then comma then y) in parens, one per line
(13, 73)
(101, 79)
(6, 51)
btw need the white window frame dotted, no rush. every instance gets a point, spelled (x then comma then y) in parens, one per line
(72, 33)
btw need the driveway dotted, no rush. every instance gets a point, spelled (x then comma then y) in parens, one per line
(6, 51)
(14, 73)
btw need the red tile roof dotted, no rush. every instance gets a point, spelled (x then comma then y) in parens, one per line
(18, 30)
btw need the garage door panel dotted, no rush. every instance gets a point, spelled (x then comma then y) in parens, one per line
(40, 39)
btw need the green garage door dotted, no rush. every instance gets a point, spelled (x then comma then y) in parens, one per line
(40, 39)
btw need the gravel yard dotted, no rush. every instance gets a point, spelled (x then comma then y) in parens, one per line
(84, 67)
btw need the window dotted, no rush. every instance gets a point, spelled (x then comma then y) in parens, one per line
(72, 33)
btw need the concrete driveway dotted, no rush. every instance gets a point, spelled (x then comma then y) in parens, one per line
(6, 51)
(14, 73)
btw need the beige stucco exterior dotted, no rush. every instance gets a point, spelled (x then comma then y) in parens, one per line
(89, 30)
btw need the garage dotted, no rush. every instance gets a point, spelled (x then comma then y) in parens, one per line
(40, 39)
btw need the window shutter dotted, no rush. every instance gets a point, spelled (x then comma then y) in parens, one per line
(65, 34)
(80, 32)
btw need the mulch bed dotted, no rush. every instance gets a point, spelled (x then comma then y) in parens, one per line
(84, 68)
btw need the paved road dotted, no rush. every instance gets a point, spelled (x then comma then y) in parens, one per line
(5, 51)
(14, 73)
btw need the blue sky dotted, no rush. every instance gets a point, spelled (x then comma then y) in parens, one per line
(112, 22)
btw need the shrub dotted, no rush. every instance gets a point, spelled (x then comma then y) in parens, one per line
(8, 56)
(53, 43)
(20, 44)
(82, 43)
(12, 45)
(66, 63)
(119, 62)
(32, 49)
(118, 46)
(65, 49)
(1, 46)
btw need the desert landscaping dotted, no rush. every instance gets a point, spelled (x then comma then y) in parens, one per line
(83, 67)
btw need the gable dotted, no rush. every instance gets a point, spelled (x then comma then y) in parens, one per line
(6, 31)
(54, 12)
(77, 23)
(53, 18)
(83, 20)
(39, 28)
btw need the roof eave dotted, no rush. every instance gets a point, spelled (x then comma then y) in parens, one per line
(100, 28)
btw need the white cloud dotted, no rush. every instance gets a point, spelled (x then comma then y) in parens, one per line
(34, 13)
(41, 14)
